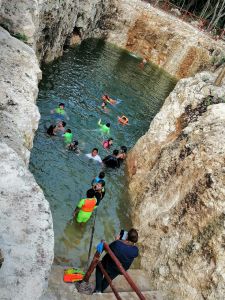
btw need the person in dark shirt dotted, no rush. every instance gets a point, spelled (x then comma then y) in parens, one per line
(125, 251)
(53, 129)
(111, 161)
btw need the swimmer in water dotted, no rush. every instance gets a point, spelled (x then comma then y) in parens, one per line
(105, 128)
(143, 63)
(107, 99)
(111, 161)
(103, 107)
(99, 189)
(94, 155)
(54, 129)
(122, 154)
(60, 112)
(107, 144)
(68, 137)
(74, 147)
(98, 178)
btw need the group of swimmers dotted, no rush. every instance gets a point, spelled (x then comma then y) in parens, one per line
(123, 120)
(96, 193)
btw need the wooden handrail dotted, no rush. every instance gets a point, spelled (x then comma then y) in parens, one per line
(109, 281)
(95, 262)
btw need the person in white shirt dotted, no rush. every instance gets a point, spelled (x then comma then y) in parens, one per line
(94, 155)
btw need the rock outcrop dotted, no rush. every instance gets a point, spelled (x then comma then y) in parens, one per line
(19, 114)
(47, 25)
(26, 237)
(179, 48)
(177, 181)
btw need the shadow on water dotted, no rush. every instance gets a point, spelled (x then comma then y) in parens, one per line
(79, 79)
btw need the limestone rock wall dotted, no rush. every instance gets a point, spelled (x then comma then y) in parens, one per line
(179, 48)
(26, 230)
(177, 180)
(46, 25)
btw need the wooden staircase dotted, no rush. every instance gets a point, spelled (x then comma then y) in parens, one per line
(59, 290)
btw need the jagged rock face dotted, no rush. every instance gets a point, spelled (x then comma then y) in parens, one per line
(177, 181)
(180, 49)
(19, 79)
(26, 230)
(48, 24)
(26, 237)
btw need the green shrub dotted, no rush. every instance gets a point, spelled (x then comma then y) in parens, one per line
(21, 36)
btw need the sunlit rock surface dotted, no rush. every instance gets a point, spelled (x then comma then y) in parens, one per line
(26, 233)
(179, 48)
(177, 181)
(19, 72)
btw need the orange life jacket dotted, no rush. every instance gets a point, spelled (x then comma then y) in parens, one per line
(89, 205)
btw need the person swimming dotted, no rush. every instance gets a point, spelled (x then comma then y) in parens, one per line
(107, 143)
(105, 128)
(54, 129)
(94, 155)
(98, 178)
(107, 99)
(74, 147)
(111, 161)
(122, 154)
(60, 112)
(68, 137)
(99, 189)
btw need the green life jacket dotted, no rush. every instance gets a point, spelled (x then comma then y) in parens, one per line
(68, 138)
(60, 111)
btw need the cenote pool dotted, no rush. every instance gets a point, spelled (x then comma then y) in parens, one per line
(79, 79)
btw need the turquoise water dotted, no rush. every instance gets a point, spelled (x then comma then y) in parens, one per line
(79, 79)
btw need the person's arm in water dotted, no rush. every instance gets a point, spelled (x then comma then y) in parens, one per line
(99, 123)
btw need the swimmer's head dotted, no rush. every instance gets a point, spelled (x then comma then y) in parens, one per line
(101, 175)
(68, 130)
(75, 143)
(94, 151)
(98, 186)
(115, 152)
(124, 118)
(90, 193)
(110, 141)
(61, 105)
(107, 124)
(62, 124)
(123, 149)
